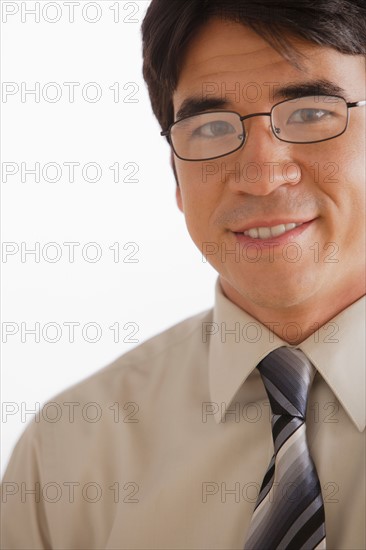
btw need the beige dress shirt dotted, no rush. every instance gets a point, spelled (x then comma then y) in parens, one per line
(167, 447)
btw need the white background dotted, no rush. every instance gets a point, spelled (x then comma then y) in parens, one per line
(168, 283)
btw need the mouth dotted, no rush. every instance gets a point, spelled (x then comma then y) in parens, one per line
(271, 231)
(277, 231)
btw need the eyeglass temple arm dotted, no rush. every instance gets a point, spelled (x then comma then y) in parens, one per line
(357, 103)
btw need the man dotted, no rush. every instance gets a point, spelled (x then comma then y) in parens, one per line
(263, 105)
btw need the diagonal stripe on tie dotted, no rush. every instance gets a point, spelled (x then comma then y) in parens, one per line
(289, 513)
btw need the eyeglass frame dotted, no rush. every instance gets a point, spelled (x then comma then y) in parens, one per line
(167, 133)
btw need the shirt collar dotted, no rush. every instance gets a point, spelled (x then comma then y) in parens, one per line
(238, 342)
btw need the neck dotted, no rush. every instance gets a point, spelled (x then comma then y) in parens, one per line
(296, 323)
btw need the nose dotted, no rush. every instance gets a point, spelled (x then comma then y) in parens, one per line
(263, 164)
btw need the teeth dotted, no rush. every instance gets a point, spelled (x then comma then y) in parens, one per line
(252, 233)
(264, 232)
(267, 232)
(278, 230)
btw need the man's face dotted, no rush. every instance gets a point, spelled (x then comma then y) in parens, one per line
(269, 183)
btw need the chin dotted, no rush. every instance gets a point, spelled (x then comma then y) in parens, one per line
(284, 292)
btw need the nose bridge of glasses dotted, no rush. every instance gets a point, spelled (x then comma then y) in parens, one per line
(245, 117)
(254, 115)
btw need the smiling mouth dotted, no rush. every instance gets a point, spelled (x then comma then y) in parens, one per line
(268, 232)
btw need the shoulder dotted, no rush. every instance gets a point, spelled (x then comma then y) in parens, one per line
(90, 410)
(171, 349)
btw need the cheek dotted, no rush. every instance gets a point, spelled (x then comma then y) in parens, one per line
(343, 180)
(337, 169)
(339, 175)
(200, 196)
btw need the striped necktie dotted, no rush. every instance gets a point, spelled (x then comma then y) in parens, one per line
(289, 513)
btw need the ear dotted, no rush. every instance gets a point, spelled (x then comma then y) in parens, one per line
(178, 196)
(172, 164)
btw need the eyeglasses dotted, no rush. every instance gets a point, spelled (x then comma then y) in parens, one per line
(214, 134)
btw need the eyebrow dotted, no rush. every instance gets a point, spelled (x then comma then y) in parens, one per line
(197, 104)
(314, 87)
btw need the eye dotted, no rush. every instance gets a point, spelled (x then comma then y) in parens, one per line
(309, 115)
(216, 128)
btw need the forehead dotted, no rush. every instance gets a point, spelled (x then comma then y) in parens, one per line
(224, 55)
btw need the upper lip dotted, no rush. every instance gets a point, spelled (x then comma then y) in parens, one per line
(271, 223)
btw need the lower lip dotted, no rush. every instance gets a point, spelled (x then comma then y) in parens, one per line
(285, 238)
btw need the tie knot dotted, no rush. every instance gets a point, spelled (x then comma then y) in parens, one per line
(287, 375)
